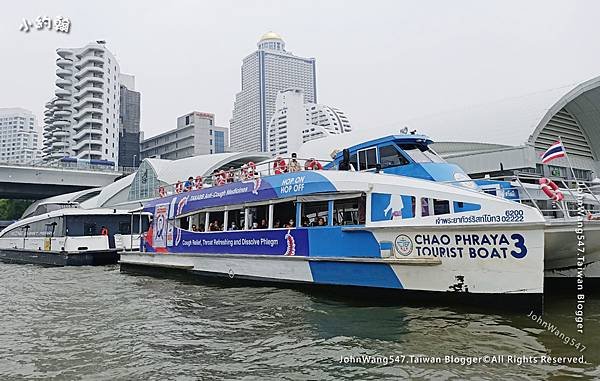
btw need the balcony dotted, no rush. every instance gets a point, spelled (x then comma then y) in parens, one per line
(61, 134)
(62, 102)
(62, 113)
(64, 53)
(63, 72)
(87, 131)
(90, 99)
(62, 92)
(82, 123)
(63, 62)
(88, 60)
(97, 113)
(93, 90)
(87, 80)
(60, 145)
(89, 70)
(85, 149)
(60, 82)
(61, 123)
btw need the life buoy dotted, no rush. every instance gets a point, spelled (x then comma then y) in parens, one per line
(551, 189)
(179, 187)
(161, 191)
(104, 231)
(593, 217)
(314, 165)
(279, 166)
(198, 182)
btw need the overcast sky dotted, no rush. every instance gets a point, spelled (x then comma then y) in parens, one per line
(382, 62)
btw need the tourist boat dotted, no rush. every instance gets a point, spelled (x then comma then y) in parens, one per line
(410, 155)
(62, 234)
(351, 229)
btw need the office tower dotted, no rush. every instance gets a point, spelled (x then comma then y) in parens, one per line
(264, 73)
(295, 122)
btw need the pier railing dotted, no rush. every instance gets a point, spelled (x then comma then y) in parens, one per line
(247, 172)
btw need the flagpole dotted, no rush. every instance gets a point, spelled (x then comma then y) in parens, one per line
(569, 161)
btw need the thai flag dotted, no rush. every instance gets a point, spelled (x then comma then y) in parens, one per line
(555, 151)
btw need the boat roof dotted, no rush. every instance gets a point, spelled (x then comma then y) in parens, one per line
(412, 138)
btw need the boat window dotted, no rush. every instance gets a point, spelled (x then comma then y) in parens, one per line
(345, 212)
(257, 217)
(124, 227)
(314, 214)
(89, 229)
(283, 213)
(216, 221)
(390, 157)
(198, 221)
(354, 162)
(16, 232)
(367, 159)
(426, 207)
(441, 207)
(460, 206)
(184, 223)
(421, 153)
(235, 219)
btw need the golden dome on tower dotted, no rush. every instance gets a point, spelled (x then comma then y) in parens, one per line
(270, 36)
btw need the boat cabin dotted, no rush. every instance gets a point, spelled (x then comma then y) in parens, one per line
(405, 155)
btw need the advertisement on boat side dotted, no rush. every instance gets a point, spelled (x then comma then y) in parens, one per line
(287, 242)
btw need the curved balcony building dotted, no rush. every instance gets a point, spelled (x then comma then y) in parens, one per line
(82, 120)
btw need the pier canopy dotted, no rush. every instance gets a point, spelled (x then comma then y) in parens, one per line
(156, 172)
(514, 129)
(537, 119)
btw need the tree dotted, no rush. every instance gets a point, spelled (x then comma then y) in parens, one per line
(13, 209)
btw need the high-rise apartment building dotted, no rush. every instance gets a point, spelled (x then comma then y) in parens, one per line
(265, 72)
(82, 120)
(196, 134)
(295, 122)
(19, 136)
(129, 123)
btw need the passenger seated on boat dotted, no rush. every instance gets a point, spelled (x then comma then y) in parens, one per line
(279, 166)
(231, 175)
(294, 165)
(276, 224)
(202, 228)
(321, 222)
(233, 226)
(194, 228)
(305, 222)
(312, 165)
(290, 223)
(254, 226)
(263, 224)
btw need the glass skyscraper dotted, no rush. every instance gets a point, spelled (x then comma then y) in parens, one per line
(265, 72)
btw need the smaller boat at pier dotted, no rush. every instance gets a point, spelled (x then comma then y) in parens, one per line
(62, 234)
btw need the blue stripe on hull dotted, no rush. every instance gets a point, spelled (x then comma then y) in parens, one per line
(333, 242)
(355, 274)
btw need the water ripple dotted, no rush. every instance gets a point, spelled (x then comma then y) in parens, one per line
(100, 324)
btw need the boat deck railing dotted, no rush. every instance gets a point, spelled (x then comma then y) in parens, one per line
(247, 172)
(578, 196)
